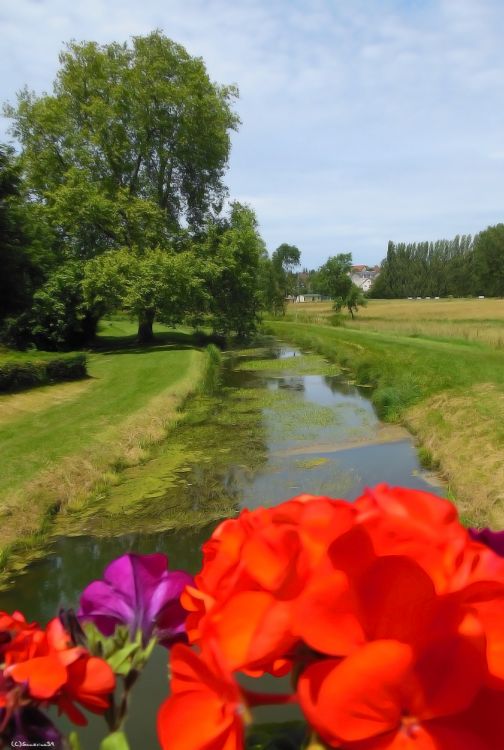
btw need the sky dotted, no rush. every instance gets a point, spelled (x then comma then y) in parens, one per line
(363, 121)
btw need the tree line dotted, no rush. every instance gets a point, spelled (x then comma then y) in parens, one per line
(463, 266)
(117, 201)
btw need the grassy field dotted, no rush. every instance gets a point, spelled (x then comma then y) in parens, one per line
(62, 443)
(463, 319)
(449, 390)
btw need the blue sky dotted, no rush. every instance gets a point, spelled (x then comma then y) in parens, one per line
(363, 120)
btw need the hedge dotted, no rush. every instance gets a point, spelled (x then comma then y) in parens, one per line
(17, 376)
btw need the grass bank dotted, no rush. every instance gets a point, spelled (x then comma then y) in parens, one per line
(450, 393)
(63, 444)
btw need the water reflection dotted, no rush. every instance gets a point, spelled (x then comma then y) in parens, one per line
(294, 383)
(58, 580)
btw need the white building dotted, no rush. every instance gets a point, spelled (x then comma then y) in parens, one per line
(363, 277)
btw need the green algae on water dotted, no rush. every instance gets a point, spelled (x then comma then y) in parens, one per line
(311, 463)
(302, 364)
(194, 477)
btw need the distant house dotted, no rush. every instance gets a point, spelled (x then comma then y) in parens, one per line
(310, 297)
(363, 276)
(363, 282)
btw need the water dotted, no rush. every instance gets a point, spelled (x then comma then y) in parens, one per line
(283, 424)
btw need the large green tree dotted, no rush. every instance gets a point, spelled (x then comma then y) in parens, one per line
(213, 279)
(132, 144)
(285, 259)
(160, 284)
(234, 251)
(277, 276)
(130, 134)
(333, 277)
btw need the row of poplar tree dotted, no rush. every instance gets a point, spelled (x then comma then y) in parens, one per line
(115, 200)
(464, 266)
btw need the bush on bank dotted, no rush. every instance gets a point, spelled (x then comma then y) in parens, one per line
(19, 375)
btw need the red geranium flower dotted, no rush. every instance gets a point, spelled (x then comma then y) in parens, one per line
(52, 669)
(255, 567)
(427, 529)
(389, 615)
(386, 695)
(205, 710)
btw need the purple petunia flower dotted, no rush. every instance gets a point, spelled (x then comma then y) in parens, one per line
(492, 539)
(138, 591)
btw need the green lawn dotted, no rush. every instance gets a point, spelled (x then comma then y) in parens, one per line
(123, 381)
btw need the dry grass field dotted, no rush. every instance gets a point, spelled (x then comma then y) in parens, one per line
(479, 320)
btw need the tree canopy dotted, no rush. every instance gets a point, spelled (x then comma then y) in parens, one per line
(489, 261)
(286, 258)
(333, 276)
(213, 280)
(420, 269)
(353, 299)
(333, 279)
(133, 141)
(278, 279)
(235, 294)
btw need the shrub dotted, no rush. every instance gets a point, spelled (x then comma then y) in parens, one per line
(18, 376)
(66, 368)
(336, 320)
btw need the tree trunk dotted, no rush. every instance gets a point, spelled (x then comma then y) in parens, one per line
(145, 320)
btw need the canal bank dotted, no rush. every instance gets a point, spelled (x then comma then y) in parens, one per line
(448, 393)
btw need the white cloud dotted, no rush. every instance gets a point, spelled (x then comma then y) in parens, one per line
(362, 121)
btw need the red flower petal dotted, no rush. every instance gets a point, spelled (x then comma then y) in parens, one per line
(45, 675)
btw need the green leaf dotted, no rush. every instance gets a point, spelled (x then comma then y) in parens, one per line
(115, 741)
(122, 660)
(142, 655)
